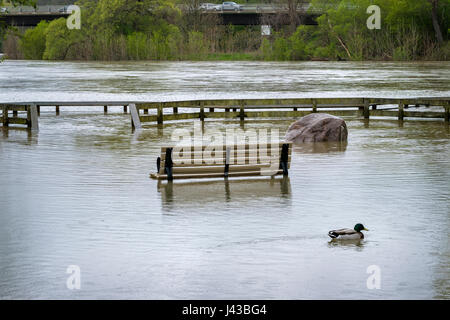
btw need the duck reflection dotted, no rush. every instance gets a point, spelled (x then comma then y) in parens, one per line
(357, 244)
(226, 190)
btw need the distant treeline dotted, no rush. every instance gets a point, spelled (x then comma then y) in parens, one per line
(160, 30)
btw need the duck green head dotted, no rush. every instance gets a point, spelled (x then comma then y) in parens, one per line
(358, 227)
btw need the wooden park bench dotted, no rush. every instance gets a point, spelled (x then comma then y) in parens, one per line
(190, 162)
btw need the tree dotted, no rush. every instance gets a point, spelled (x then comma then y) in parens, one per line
(434, 17)
(288, 12)
(32, 43)
(128, 16)
(21, 2)
(14, 3)
(60, 40)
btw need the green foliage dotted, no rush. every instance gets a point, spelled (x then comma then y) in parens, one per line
(20, 2)
(266, 49)
(32, 43)
(126, 17)
(281, 49)
(61, 42)
(137, 46)
(158, 30)
(406, 33)
(231, 56)
(196, 48)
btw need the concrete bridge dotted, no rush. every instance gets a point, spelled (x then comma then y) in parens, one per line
(255, 14)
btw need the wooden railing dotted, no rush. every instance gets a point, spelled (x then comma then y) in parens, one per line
(242, 108)
(273, 108)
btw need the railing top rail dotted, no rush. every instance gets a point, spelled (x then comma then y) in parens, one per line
(236, 102)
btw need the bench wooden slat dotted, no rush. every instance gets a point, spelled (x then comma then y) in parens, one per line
(223, 146)
(236, 153)
(218, 169)
(207, 162)
(210, 175)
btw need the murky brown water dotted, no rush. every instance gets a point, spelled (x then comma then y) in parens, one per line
(78, 192)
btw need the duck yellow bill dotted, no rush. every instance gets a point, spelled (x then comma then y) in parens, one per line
(366, 229)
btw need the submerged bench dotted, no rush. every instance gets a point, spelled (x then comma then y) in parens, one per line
(190, 162)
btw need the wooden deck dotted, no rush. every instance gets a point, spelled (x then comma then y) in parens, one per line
(275, 108)
(240, 109)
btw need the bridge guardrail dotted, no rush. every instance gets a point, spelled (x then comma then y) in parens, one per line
(246, 8)
(38, 9)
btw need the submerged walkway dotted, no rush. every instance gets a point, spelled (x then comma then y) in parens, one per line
(157, 112)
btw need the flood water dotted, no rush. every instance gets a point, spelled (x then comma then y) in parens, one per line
(78, 191)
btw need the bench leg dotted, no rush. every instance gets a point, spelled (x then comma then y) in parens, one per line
(285, 168)
(169, 173)
(284, 159)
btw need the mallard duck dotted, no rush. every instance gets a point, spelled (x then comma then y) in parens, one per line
(348, 234)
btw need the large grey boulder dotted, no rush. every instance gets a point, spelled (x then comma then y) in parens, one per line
(317, 127)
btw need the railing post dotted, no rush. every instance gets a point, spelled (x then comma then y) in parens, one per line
(34, 117)
(57, 110)
(401, 112)
(160, 115)
(366, 109)
(38, 108)
(105, 109)
(175, 109)
(447, 112)
(241, 110)
(202, 111)
(135, 120)
(314, 104)
(28, 116)
(5, 115)
(125, 109)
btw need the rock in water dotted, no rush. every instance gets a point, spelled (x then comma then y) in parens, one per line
(317, 127)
